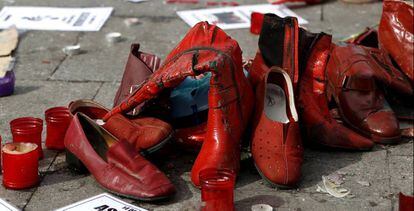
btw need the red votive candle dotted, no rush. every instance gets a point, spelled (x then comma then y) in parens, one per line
(57, 122)
(217, 189)
(20, 165)
(28, 129)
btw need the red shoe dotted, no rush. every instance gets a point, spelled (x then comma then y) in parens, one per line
(278, 46)
(319, 126)
(146, 134)
(396, 32)
(139, 66)
(276, 146)
(114, 164)
(353, 74)
(206, 48)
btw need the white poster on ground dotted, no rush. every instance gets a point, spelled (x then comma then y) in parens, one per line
(235, 17)
(4, 205)
(53, 18)
(101, 202)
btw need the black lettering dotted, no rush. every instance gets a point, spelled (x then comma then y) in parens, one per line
(101, 208)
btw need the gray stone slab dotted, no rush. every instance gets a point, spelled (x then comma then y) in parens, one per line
(106, 94)
(402, 174)
(38, 65)
(18, 198)
(345, 19)
(62, 188)
(32, 98)
(405, 148)
(39, 41)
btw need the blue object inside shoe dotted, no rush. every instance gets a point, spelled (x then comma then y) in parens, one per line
(191, 96)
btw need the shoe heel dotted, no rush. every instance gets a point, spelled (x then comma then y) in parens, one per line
(74, 163)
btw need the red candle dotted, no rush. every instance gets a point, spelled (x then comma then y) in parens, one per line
(57, 122)
(20, 165)
(217, 189)
(28, 129)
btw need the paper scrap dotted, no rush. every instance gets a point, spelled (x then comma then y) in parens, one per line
(4, 205)
(102, 201)
(53, 18)
(8, 41)
(6, 64)
(235, 17)
(332, 189)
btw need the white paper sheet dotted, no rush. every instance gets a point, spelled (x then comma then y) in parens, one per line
(235, 17)
(4, 205)
(52, 18)
(102, 201)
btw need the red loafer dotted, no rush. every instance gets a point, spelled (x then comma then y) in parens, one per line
(353, 74)
(114, 164)
(146, 134)
(319, 127)
(276, 145)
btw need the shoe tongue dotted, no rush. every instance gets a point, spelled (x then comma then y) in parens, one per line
(121, 152)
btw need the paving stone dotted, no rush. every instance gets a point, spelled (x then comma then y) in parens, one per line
(38, 65)
(39, 41)
(32, 98)
(62, 188)
(106, 94)
(17, 198)
(96, 73)
(402, 174)
(405, 148)
(339, 13)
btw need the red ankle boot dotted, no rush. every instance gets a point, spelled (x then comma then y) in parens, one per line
(396, 32)
(206, 48)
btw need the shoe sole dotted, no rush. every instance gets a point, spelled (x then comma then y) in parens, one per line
(146, 152)
(79, 167)
(270, 183)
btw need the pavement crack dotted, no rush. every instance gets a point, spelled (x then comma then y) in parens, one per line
(42, 176)
(97, 91)
(80, 35)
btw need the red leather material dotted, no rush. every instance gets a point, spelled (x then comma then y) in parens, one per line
(124, 172)
(368, 38)
(276, 147)
(142, 133)
(124, 157)
(206, 48)
(90, 108)
(278, 46)
(354, 73)
(256, 22)
(191, 138)
(139, 67)
(406, 202)
(319, 126)
(396, 34)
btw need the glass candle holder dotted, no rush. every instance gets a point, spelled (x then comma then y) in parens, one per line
(20, 165)
(217, 189)
(57, 122)
(28, 129)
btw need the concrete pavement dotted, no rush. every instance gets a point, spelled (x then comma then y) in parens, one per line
(47, 78)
